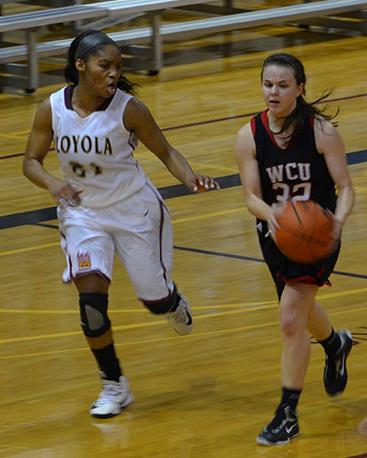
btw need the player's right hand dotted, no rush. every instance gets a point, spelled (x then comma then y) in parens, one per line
(65, 194)
(202, 183)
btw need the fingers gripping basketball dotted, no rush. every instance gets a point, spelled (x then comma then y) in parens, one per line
(305, 232)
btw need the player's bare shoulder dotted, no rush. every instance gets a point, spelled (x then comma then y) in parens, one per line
(42, 121)
(136, 112)
(245, 143)
(327, 137)
(44, 108)
(324, 126)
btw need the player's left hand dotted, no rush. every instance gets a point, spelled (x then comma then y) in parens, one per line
(202, 183)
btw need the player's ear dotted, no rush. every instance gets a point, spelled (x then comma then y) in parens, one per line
(80, 65)
(301, 89)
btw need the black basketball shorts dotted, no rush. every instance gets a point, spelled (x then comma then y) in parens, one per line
(283, 270)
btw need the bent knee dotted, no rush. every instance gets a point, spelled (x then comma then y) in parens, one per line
(291, 326)
(93, 314)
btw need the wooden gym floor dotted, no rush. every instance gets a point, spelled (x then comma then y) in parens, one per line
(210, 393)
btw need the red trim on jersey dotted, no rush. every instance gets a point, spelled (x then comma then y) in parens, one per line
(253, 125)
(308, 280)
(265, 122)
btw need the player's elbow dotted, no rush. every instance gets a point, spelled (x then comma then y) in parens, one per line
(25, 166)
(347, 192)
(28, 166)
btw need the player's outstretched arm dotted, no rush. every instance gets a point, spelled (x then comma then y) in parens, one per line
(138, 119)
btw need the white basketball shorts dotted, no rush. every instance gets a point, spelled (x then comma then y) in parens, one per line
(137, 230)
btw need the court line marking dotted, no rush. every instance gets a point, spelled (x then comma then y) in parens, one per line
(124, 327)
(203, 122)
(176, 221)
(181, 248)
(241, 306)
(272, 305)
(213, 166)
(31, 248)
(13, 136)
(208, 215)
(249, 305)
(33, 217)
(148, 156)
(145, 341)
(175, 339)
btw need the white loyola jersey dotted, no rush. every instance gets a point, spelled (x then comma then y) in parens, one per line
(96, 152)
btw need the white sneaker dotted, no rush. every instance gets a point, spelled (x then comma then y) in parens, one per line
(112, 399)
(180, 319)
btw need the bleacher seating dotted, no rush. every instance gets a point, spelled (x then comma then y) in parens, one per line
(26, 76)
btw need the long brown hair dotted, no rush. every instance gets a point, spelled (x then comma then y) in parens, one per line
(303, 109)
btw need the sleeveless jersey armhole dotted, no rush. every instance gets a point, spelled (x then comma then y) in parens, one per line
(311, 123)
(253, 126)
(124, 111)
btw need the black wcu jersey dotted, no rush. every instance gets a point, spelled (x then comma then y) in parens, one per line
(297, 172)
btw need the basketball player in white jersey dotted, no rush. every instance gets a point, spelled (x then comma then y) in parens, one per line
(106, 203)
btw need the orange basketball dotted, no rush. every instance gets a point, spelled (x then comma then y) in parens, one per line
(305, 233)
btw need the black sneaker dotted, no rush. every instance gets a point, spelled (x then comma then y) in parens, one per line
(282, 428)
(335, 371)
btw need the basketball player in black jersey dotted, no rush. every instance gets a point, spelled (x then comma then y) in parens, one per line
(292, 150)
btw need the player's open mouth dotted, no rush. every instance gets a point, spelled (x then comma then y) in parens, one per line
(111, 87)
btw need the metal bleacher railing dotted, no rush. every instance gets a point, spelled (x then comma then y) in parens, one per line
(27, 76)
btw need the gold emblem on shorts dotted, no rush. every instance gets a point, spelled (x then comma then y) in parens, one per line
(84, 261)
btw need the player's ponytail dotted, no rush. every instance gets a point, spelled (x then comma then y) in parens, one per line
(126, 85)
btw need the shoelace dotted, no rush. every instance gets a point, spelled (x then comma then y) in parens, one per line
(109, 392)
(275, 426)
(280, 420)
(180, 314)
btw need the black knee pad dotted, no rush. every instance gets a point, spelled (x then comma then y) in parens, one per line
(93, 314)
(163, 305)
